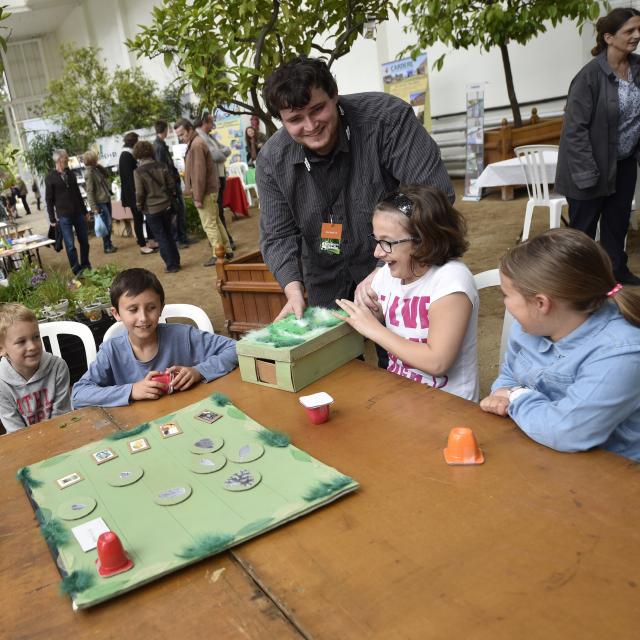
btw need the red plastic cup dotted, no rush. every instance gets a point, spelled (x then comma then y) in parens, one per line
(112, 558)
(166, 379)
(317, 406)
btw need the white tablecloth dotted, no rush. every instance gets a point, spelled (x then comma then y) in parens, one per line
(510, 172)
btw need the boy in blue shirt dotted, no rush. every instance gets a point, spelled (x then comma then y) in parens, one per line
(127, 363)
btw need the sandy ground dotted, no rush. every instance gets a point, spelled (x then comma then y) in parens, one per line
(493, 227)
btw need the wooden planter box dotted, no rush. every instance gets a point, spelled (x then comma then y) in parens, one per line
(499, 143)
(251, 296)
(293, 368)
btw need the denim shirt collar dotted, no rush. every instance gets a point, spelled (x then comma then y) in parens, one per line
(590, 328)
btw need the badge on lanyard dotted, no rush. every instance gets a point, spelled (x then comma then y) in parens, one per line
(330, 236)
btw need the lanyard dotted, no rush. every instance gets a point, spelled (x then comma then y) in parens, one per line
(323, 189)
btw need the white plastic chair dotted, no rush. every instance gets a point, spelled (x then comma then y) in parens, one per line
(198, 315)
(532, 160)
(239, 170)
(52, 330)
(491, 278)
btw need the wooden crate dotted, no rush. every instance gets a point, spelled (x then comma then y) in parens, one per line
(251, 296)
(293, 368)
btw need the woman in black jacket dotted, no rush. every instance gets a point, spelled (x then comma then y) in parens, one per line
(600, 135)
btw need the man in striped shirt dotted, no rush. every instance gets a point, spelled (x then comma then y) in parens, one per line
(320, 176)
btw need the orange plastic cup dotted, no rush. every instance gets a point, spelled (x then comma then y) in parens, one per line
(462, 447)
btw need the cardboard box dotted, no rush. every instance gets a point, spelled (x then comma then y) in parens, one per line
(293, 368)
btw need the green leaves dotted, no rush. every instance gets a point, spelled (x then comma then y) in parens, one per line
(226, 49)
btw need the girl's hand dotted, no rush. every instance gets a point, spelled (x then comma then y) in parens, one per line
(360, 318)
(497, 403)
(184, 377)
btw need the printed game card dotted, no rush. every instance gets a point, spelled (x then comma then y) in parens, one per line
(104, 455)
(141, 444)
(87, 534)
(208, 416)
(170, 429)
(68, 480)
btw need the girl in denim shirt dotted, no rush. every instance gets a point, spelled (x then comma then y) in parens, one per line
(570, 376)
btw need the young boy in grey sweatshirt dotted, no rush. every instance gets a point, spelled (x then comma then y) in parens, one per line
(34, 385)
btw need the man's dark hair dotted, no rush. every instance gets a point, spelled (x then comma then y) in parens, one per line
(187, 125)
(200, 120)
(160, 126)
(133, 282)
(290, 85)
(130, 139)
(143, 149)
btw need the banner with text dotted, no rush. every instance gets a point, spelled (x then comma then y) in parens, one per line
(409, 79)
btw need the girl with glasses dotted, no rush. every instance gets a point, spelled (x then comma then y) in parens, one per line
(427, 311)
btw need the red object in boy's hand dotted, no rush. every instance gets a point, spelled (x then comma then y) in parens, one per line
(166, 379)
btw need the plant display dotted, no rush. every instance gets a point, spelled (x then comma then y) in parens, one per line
(54, 294)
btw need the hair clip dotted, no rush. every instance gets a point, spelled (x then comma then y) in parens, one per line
(401, 202)
(615, 290)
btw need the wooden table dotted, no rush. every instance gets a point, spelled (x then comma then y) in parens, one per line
(532, 544)
(9, 255)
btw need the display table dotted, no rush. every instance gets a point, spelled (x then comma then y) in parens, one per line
(235, 197)
(533, 543)
(508, 173)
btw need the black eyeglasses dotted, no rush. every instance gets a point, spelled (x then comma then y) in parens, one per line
(399, 201)
(387, 245)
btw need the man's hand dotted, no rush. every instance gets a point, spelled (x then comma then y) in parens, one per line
(365, 296)
(295, 300)
(148, 389)
(497, 402)
(87, 217)
(198, 204)
(184, 377)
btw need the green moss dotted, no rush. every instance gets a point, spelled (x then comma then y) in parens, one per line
(24, 476)
(274, 438)
(121, 435)
(206, 545)
(220, 399)
(76, 582)
(54, 532)
(325, 489)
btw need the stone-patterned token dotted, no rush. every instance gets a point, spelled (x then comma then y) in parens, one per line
(245, 453)
(242, 480)
(208, 462)
(123, 476)
(207, 445)
(172, 494)
(77, 508)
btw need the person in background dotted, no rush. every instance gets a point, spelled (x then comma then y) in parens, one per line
(201, 183)
(126, 166)
(66, 208)
(22, 193)
(155, 191)
(599, 144)
(253, 145)
(569, 378)
(204, 126)
(35, 187)
(163, 155)
(96, 185)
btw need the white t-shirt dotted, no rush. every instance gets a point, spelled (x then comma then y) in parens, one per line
(406, 313)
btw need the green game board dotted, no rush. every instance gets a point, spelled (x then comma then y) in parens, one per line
(186, 497)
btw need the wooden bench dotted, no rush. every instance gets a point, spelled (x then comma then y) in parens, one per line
(251, 296)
